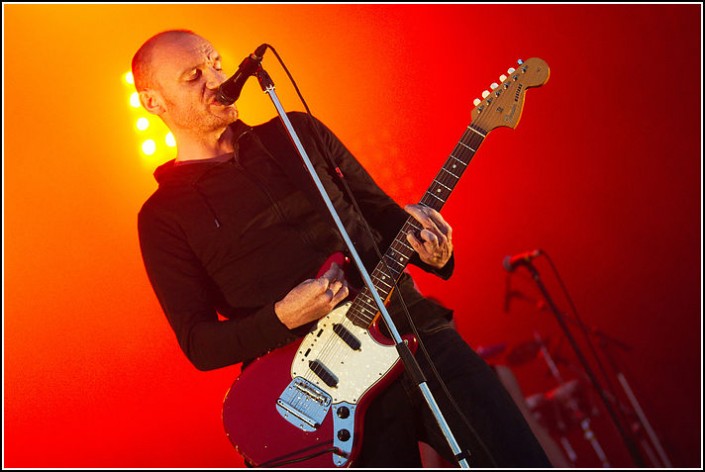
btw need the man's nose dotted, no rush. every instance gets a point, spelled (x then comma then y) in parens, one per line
(214, 78)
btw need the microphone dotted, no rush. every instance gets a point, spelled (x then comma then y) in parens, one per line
(512, 262)
(229, 91)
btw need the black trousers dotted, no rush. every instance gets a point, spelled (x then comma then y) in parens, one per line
(498, 435)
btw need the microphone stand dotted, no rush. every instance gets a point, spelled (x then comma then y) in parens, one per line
(404, 352)
(588, 370)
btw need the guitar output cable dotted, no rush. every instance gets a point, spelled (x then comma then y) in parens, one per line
(272, 464)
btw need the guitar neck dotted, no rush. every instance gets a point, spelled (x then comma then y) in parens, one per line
(364, 310)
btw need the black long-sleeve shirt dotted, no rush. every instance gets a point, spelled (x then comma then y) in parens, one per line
(233, 235)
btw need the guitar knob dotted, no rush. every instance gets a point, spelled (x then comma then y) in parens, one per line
(493, 85)
(343, 412)
(476, 102)
(502, 78)
(343, 435)
(511, 70)
(485, 94)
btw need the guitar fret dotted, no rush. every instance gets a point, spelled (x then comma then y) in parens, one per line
(441, 184)
(399, 255)
(392, 262)
(397, 265)
(466, 148)
(475, 137)
(427, 193)
(459, 160)
(393, 274)
(476, 131)
(406, 246)
(367, 312)
(426, 200)
(457, 177)
(382, 282)
(359, 311)
(446, 181)
(465, 145)
(356, 319)
(413, 223)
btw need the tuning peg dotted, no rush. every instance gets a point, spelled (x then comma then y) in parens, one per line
(476, 102)
(485, 94)
(520, 62)
(502, 78)
(493, 85)
(511, 70)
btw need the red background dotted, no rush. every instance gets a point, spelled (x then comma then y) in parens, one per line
(603, 172)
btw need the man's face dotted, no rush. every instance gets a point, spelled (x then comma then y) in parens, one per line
(187, 73)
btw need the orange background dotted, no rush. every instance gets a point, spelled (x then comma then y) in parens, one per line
(603, 172)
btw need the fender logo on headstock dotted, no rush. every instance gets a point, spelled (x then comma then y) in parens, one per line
(508, 116)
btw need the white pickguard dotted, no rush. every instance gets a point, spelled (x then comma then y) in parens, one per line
(356, 370)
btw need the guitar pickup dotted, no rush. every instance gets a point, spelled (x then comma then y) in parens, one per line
(347, 336)
(323, 373)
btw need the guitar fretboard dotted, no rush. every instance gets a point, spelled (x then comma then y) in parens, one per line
(364, 309)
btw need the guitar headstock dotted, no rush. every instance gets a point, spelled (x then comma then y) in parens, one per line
(502, 106)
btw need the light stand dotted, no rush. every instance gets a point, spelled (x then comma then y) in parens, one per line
(404, 352)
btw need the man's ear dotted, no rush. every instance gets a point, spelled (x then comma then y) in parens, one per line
(151, 100)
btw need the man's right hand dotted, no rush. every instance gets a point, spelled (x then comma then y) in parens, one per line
(312, 299)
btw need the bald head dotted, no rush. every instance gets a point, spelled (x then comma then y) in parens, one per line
(142, 65)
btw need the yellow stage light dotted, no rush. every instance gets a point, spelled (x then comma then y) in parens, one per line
(135, 100)
(149, 147)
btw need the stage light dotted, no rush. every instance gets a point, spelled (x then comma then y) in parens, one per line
(153, 141)
(135, 100)
(149, 147)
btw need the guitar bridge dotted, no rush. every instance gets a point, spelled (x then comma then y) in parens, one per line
(303, 404)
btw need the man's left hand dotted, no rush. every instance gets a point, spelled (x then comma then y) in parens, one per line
(436, 244)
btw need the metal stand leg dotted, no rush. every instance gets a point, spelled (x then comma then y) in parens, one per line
(570, 452)
(589, 435)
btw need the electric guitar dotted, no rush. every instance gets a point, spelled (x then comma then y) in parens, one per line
(303, 405)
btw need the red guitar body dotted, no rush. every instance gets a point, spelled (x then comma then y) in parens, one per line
(266, 439)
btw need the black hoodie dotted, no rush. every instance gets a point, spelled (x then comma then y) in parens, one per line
(232, 235)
